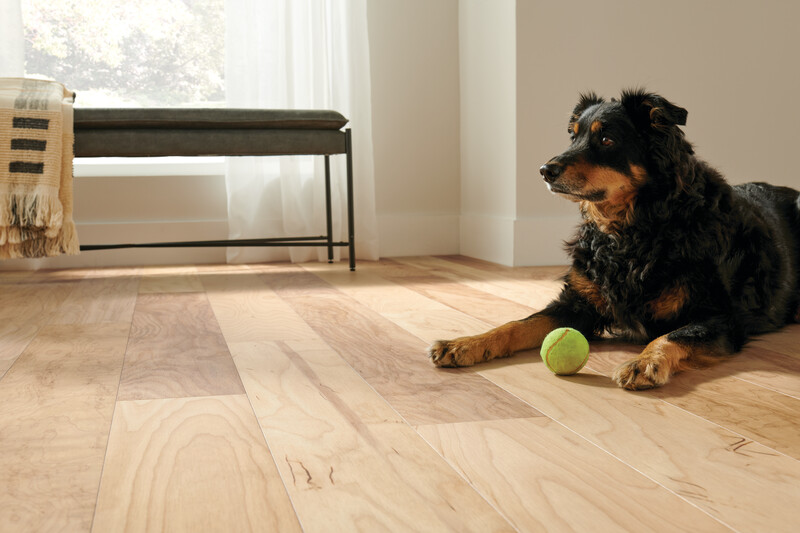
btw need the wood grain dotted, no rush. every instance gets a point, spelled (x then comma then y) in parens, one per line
(391, 359)
(248, 310)
(349, 461)
(484, 306)
(103, 296)
(169, 279)
(189, 465)
(334, 366)
(521, 273)
(544, 477)
(56, 404)
(533, 293)
(176, 350)
(425, 318)
(24, 310)
(716, 469)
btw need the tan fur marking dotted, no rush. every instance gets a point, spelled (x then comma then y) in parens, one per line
(501, 341)
(660, 360)
(587, 289)
(669, 303)
(575, 127)
(612, 213)
(596, 126)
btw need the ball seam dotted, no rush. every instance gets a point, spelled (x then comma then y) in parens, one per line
(547, 355)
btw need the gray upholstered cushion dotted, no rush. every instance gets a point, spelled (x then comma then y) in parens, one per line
(147, 132)
(207, 118)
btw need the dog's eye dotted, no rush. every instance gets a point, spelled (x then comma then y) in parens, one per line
(607, 141)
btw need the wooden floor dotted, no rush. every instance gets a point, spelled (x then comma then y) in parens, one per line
(288, 398)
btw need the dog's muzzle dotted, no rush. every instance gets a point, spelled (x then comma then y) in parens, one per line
(550, 171)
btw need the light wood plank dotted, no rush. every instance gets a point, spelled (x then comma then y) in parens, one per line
(484, 306)
(103, 296)
(25, 309)
(533, 293)
(765, 362)
(546, 478)
(717, 394)
(190, 465)
(782, 341)
(56, 404)
(349, 461)
(425, 318)
(176, 349)
(744, 484)
(524, 273)
(169, 279)
(389, 358)
(247, 310)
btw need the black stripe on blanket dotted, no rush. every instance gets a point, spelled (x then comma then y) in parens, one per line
(23, 167)
(31, 123)
(28, 144)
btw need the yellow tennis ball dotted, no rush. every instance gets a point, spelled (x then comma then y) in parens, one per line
(565, 351)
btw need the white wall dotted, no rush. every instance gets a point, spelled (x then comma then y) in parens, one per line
(470, 97)
(487, 46)
(731, 63)
(415, 113)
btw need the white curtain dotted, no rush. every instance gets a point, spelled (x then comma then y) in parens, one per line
(12, 51)
(299, 54)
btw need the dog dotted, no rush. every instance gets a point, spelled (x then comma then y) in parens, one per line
(668, 254)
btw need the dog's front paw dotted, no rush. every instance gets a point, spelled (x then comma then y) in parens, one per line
(464, 351)
(644, 372)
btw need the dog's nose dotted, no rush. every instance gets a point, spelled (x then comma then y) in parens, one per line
(550, 172)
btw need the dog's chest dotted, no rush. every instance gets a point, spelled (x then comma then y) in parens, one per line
(634, 293)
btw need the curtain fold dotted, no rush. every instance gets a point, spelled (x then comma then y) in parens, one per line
(12, 45)
(299, 54)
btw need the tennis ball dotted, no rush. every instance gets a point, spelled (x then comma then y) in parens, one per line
(565, 351)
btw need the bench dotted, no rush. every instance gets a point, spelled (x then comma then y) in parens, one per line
(153, 132)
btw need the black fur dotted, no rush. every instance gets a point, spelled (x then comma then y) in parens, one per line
(733, 250)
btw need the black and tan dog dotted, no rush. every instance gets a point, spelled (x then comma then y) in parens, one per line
(668, 253)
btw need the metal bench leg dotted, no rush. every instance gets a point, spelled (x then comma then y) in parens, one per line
(350, 215)
(328, 219)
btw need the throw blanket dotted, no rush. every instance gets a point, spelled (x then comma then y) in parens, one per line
(36, 149)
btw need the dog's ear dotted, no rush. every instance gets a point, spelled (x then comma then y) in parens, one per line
(667, 149)
(648, 109)
(586, 100)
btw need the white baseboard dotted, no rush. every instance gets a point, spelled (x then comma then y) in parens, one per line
(488, 237)
(118, 233)
(530, 241)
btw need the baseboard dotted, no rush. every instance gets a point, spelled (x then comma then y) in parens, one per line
(128, 232)
(530, 241)
(488, 237)
(418, 234)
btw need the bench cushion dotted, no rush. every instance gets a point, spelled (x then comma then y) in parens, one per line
(207, 118)
(151, 132)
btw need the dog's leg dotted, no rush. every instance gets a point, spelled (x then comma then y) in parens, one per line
(571, 309)
(692, 346)
(501, 341)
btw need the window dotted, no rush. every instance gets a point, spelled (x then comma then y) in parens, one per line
(149, 53)
(115, 53)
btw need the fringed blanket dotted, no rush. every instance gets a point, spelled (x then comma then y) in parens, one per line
(36, 148)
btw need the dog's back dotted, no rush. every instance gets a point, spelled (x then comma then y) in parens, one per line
(767, 246)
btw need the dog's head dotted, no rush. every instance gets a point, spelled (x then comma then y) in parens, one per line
(618, 148)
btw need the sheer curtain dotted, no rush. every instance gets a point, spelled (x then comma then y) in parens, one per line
(12, 49)
(299, 54)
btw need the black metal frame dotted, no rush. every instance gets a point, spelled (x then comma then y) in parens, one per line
(321, 240)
